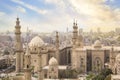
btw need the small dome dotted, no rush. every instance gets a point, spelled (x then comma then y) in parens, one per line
(36, 42)
(53, 61)
(97, 44)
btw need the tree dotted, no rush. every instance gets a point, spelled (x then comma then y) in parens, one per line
(68, 73)
(106, 72)
(6, 52)
(99, 77)
(90, 76)
(108, 77)
(103, 74)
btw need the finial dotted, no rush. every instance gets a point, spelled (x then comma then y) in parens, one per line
(27, 50)
(56, 32)
(17, 19)
(76, 22)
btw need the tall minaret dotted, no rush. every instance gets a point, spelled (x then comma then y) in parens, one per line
(18, 46)
(75, 33)
(57, 47)
(112, 57)
(75, 36)
(27, 68)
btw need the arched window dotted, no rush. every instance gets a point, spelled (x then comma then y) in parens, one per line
(27, 66)
(98, 64)
(81, 62)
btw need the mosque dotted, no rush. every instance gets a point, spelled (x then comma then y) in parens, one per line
(48, 60)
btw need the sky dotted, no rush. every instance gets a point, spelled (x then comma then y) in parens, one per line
(52, 15)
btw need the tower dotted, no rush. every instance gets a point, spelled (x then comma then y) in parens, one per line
(27, 68)
(18, 46)
(74, 39)
(75, 33)
(57, 47)
(112, 58)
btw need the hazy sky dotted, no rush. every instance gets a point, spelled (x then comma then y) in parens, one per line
(50, 15)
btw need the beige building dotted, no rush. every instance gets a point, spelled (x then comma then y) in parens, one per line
(48, 60)
(88, 58)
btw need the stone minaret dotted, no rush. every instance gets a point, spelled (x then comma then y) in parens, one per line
(57, 47)
(18, 46)
(75, 33)
(27, 68)
(112, 57)
(75, 36)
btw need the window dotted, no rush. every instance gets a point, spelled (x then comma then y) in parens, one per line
(52, 69)
(34, 60)
(45, 75)
(27, 66)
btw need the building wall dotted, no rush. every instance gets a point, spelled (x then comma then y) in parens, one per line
(65, 56)
(97, 59)
(34, 61)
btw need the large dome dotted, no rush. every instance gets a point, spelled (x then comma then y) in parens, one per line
(53, 61)
(36, 42)
(97, 44)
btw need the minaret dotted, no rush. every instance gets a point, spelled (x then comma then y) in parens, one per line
(18, 46)
(75, 33)
(75, 36)
(112, 57)
(27, 68)
(57, 47)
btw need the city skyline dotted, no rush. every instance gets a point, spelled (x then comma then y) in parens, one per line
(51, 15)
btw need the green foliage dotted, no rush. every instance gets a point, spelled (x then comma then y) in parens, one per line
(90, 76)
(69, 73)
(6, 52)
(103, 75)
(99, 77)
(106, 72)
(108, 77)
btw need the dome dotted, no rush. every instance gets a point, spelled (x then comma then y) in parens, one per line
(36, 42)
(53, 61)
(97, 44)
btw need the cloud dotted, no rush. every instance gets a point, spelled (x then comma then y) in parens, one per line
(34, 8)
(2, 13)
(21, 9)
(96, 14)
(90, 14)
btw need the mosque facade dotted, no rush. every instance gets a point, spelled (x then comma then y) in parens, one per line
(47, 60)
